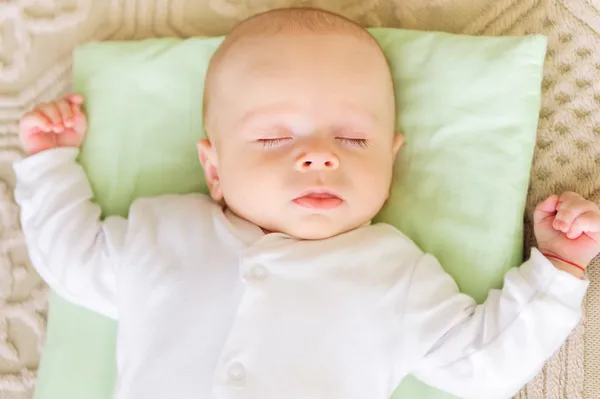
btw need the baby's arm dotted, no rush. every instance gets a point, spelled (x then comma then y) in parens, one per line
(492, 350)
(70, 247)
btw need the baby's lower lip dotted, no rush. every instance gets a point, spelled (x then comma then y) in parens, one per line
(318, 201)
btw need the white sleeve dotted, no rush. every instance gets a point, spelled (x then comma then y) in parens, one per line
(72, 250)
(490, 350)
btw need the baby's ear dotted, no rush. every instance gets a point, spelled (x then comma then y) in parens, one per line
(208, 158)
(398, 141)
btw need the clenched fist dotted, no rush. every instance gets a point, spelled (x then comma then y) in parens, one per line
(59, 123)
(568, 227)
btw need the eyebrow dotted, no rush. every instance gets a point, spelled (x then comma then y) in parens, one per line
(288, 108)
(258, 113)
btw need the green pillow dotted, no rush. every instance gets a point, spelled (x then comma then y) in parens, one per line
(467, 105)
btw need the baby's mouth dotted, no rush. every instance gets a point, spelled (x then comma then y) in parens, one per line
(318, 200)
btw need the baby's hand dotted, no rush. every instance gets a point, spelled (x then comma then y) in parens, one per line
(59, 123)
(568, 227)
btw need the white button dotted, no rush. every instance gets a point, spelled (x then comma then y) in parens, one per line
(259, 272)
(237, 371)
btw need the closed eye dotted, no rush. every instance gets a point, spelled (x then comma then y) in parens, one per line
(360, 143)
(271, 143)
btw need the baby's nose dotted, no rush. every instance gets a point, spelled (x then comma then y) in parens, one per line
(317, 161)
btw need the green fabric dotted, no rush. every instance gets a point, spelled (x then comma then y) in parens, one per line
(467, 105)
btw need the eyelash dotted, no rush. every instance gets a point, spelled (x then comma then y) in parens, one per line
(270, 143)
(360, 143)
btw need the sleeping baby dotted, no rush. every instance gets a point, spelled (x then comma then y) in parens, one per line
(278, 286)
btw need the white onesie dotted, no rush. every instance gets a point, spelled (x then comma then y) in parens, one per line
(210, 307)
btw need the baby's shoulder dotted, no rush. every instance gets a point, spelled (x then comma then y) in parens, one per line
(172, 200)
(172, 207)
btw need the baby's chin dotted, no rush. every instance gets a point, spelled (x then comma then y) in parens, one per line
(317, 227)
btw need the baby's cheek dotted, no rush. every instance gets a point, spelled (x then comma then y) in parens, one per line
(248, 176)
(375, 181)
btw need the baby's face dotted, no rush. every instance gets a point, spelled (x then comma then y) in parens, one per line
(303, 136)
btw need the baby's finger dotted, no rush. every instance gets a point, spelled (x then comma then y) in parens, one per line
(33, 123)
(563, 219)
(569, 196)
(76, 108)
(70, 138)
(545, 208)
(76, 99)
(51, 111)
(588, 222)
(66, 113)
(80, 123)
(569, 210)
(34, 119)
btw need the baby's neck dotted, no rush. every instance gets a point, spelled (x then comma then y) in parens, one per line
(227, 209)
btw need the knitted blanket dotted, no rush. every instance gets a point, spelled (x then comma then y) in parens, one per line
(36, 40)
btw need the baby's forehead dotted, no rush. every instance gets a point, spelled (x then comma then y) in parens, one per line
(272, 55)
(301, 73)
(287, 54)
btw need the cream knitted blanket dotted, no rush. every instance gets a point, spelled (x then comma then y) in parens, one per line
(37, 37)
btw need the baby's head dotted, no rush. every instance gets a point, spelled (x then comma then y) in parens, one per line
(299, 110)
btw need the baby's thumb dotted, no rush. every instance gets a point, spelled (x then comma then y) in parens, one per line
(545, 208)
(80, 124)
